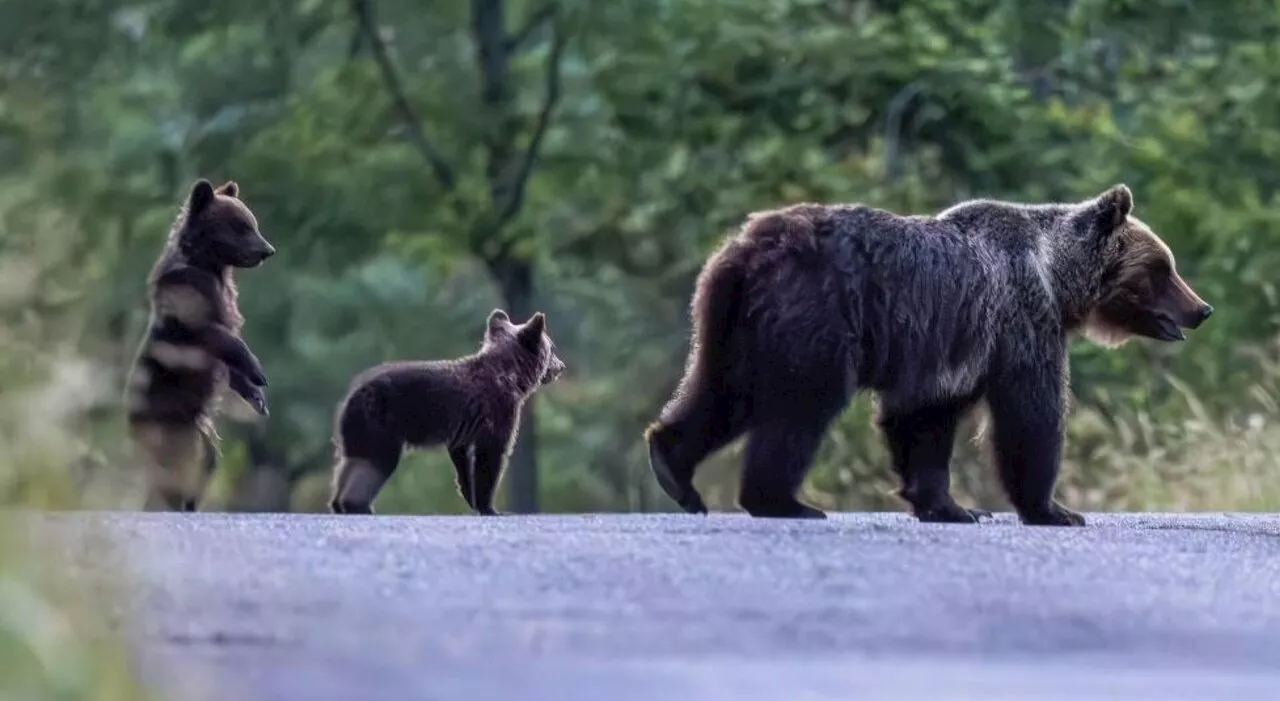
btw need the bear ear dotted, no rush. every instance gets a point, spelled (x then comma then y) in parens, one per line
(532, 331)
(1114, 206)
(498, 320)
(230, 189)
(200, 197)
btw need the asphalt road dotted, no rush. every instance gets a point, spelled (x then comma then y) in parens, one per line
(687, 608)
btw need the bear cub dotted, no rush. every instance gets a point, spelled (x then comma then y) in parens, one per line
(811, 303)
(471, 405)
(192, 347)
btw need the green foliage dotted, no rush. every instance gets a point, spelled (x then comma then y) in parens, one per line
(385, 191)
(52, 646)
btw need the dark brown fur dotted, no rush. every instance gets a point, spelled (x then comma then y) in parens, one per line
(470, 405)
(192, 347)
(811, 303)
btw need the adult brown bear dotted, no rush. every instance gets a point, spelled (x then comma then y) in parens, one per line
(811, 303)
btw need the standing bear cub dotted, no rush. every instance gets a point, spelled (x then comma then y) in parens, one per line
(471, 405)
(192, 347)
(811, 303)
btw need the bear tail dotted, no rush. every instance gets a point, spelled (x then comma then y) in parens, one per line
(722, 286)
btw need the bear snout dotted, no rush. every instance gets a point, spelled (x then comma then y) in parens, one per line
(1193, 318)
(554, 370)
(1188, 310)
(259, 254)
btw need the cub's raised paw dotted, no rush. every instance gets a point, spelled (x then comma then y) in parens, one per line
(258, 377)
(258, 400)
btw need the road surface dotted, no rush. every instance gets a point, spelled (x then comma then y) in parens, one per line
(686, 608)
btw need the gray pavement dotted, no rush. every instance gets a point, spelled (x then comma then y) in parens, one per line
(619, 607)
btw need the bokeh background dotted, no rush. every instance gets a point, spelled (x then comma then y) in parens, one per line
(418, 164)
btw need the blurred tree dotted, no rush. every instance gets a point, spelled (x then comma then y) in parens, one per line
(487, 230)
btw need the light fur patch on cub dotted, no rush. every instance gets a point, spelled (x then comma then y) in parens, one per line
(175, 356)
(184, 303)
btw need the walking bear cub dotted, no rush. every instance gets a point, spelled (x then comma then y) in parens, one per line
(810, 303)
(471, 405)
(192, 347)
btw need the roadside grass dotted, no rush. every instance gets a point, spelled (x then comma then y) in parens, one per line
(61, 636)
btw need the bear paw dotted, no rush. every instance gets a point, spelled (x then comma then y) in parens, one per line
(1055, 515)
(680, 490)
(950, 512)
(773, 508)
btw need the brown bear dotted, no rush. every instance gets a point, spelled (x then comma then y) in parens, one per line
(192, 348)
(811, 303)
(471, 405)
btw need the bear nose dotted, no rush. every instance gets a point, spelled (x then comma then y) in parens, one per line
(268, 251)
(1196, 318)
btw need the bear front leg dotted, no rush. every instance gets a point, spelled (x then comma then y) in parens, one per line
(779, 455)
(233, 351)
(920, 443)
(241, 385)
(489, 460)
(1026, 403)
(462, 467)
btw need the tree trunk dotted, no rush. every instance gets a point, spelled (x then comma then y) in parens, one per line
(507, 169)
(515, 279)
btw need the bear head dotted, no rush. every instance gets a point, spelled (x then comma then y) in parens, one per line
(1139, 291)
(219, 231)
(530, 339)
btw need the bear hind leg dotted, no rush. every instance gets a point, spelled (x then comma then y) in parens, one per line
(176, 457)
(700, 425)
(368, 455)
(358, 480)
(357, 485)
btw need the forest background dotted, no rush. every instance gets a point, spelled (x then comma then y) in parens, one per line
(419, 164)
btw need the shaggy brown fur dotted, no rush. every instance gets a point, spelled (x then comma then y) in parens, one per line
(192, 346)
(471, 405)
(812, 303)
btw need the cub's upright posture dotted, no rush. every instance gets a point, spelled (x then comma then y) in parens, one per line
(193, 346)
(811, 303)
(471, 405)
